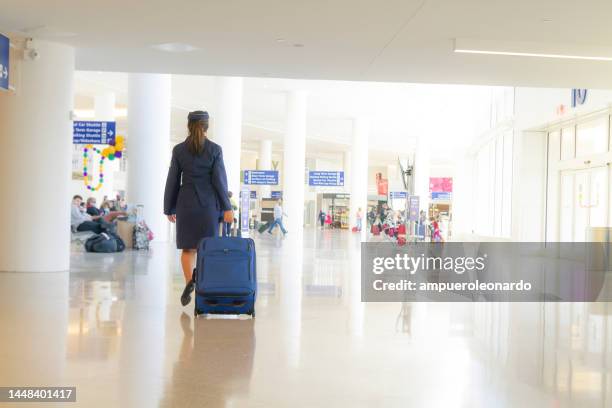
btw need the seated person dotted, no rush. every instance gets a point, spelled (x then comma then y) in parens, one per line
(91, 207)
(105, 208)
(81, 221)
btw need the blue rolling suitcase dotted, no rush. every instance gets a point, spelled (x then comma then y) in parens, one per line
(225, 276)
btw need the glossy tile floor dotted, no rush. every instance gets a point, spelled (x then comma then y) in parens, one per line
(113, 327)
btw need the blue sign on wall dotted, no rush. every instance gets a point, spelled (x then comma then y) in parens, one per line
(440, 196)
(5, 46)
(413, 209)
(276, 195)
(579, 97)
(395, 195)
(244, 211)
(92, 132)
(326, 178)
(261, 177)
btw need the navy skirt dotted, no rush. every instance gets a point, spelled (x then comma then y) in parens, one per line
(195, 220)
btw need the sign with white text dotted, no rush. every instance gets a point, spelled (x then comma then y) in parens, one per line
(261, 177)
(5, 46)
(325, 178)
(93, 132)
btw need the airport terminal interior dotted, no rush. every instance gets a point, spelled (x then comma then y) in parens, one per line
(462, 121)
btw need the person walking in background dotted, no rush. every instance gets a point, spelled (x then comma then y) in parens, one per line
(358, 218)
(322, 218)
(196, 193)
(278, 218)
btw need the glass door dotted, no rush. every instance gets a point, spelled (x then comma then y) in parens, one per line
(584, 202)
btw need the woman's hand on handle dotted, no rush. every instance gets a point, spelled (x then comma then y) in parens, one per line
(228, 216)
(172, 218)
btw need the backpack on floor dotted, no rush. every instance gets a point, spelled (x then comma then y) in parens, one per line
(105, 242)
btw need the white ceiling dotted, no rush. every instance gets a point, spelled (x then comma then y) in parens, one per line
(399, 113)
(391, 41)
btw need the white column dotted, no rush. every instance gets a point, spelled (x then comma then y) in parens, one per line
(359, 171)
(35, 162)
(421, 172)
(294, 157)
(347, 163)
(227, 127)
(265, 163)
(104, 108)
(148, 146)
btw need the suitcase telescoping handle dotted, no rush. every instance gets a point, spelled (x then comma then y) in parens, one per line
(222, 232)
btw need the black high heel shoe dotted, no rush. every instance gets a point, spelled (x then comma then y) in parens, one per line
(186, 296)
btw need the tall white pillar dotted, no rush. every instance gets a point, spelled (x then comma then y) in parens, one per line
(421, 172)
(347, 163)
(104, 108)
(294, 157)
(359, 172)
(148, 146)
(35, 162)
(227, 127)
(265, 163)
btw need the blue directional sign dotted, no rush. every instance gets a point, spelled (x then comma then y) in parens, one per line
(91, 132)
(326, 178)
(276, 195)
(261, 177)
(441, 196)
(244, 212)
(5, 46)
(253, 195)
(395, 195)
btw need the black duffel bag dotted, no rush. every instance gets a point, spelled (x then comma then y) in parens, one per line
(106, 242)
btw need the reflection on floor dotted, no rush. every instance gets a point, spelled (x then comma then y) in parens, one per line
(113, 327)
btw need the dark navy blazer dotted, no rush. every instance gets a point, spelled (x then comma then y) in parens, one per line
(196, 177)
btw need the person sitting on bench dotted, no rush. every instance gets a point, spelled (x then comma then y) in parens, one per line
(81, 221)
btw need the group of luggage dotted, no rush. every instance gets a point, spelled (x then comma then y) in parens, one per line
(397, 232)
(108, 241)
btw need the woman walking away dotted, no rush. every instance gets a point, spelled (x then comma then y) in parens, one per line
(197, 203)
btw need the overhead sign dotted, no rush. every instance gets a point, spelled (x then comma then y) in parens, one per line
(325, 178)
(441, 184)
(441, 196)
(413, 209)
(253, 194)
(277, 195)
(93, 132)
(245, 205)
(261, 177)
(5, 46)
(396, 195)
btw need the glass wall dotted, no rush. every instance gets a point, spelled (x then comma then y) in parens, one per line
(578, 191)
(493, 187)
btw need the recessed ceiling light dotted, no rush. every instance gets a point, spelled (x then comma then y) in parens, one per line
(175, 47)
(298, 45)
(535, 54)
(547, 20)
(531, 49)
(280, 40)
